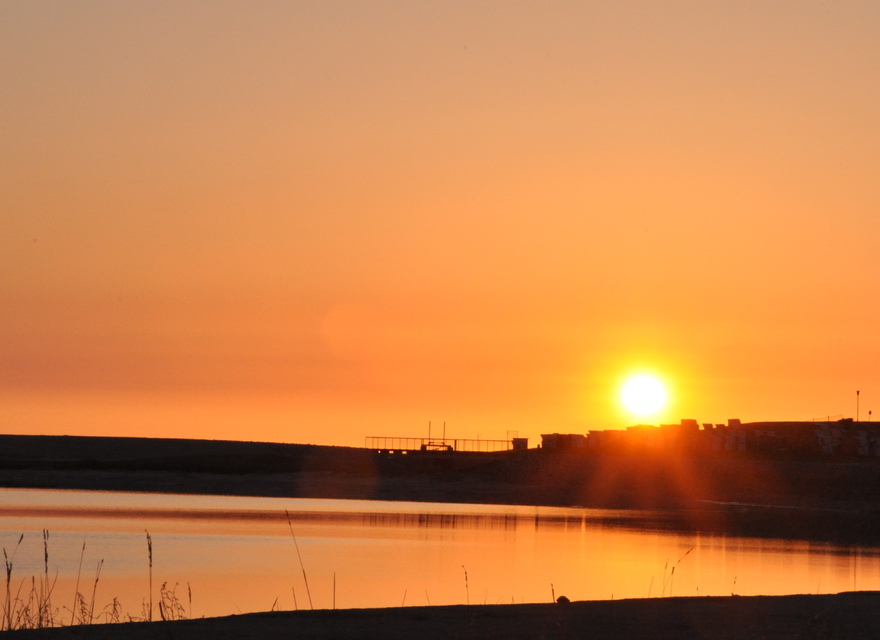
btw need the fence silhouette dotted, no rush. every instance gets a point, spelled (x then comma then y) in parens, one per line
(392, 444)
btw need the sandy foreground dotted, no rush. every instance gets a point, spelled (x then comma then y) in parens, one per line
(843, 616)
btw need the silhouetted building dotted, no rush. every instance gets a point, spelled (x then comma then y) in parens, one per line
(838, 439)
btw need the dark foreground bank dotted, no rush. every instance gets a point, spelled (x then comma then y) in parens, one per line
(792, 499)
(846, 616)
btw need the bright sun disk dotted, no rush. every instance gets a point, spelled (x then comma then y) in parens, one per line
(643, 394)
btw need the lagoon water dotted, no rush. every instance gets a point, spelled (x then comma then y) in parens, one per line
(226, 555)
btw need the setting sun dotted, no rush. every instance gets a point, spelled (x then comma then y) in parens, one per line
(643, 395)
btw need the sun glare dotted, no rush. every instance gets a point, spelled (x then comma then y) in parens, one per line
(643, 394)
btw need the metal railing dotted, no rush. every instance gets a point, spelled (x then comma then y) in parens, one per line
(394, 443)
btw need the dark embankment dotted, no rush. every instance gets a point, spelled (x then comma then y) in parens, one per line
(805, 499)
(851, 615)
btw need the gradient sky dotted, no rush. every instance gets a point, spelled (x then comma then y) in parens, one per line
(321, 221)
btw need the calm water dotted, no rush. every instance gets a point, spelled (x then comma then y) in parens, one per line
(238, 554)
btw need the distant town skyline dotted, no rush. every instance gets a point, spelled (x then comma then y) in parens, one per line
(315, 221)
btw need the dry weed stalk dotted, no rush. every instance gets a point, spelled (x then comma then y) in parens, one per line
(150, 554)
(672, 573)
(47, 614)
(35, 610)
(94, 591)
(77, 596)
(113, 611)
(301, 566)
(86, 609)
(8, 612)
(170, 607)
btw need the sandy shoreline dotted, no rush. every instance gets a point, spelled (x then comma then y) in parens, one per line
(845, 616)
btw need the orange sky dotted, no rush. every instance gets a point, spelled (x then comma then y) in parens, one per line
(320, 221)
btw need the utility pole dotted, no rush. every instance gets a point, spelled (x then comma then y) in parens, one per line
(857, 406)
